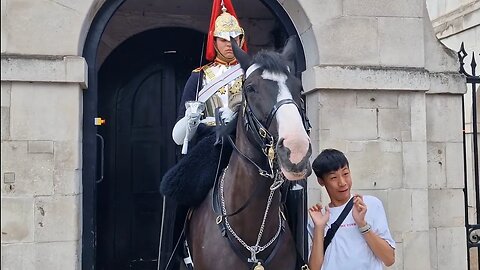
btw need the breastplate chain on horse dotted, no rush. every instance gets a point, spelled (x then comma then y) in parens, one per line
(255, 249)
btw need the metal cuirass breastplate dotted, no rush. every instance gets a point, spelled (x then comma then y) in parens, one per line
(227, 95)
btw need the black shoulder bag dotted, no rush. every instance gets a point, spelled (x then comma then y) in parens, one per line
(335, 225)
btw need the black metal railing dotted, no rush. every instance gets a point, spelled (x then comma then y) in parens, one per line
(472, 230)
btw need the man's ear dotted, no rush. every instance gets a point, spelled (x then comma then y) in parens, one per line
(320, 181)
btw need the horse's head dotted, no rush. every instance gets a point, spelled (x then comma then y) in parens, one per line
(273, 110)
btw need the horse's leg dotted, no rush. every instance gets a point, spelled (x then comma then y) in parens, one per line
(201, 235)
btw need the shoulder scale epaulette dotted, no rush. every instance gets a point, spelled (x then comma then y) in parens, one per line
(202, 67)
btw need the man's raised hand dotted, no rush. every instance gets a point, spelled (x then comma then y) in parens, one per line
(319, 218)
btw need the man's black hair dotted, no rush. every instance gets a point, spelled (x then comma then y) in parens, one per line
(329, 160)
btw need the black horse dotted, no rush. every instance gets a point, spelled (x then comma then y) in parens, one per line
(246, 228)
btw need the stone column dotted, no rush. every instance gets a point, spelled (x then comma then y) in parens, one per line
(41, 161)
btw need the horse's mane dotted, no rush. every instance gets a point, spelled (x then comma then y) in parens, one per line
(271, 61)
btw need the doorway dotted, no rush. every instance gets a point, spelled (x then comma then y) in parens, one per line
(140, 85)
(130, 69)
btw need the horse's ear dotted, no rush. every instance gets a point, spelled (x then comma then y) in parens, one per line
(289, 52)
(290, 49)
(242, 57)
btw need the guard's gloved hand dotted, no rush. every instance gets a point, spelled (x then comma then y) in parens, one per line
(193, 119)
(227, 114)
(193, 112)
(186, 127)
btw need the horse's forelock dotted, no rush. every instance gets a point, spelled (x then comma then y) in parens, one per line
(271, 61)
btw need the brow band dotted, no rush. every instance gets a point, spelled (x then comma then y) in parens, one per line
(251, 69)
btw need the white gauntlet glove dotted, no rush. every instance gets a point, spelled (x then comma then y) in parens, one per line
(227, 114)
(186, 127)
(193, 119)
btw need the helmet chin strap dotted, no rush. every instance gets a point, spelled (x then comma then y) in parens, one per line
(222, 57)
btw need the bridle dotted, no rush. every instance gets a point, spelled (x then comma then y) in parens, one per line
(257, 132)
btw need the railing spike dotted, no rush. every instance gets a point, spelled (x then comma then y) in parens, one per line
(473, 64)
(461, 55)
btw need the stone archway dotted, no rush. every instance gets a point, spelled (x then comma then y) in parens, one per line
(95, 52)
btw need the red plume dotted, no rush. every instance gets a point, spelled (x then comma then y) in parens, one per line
(216, 11)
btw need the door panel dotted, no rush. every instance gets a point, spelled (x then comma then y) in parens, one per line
(139, 88)
(140, 156)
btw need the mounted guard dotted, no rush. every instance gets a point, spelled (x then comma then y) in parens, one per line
(207, 128)
(212, 91)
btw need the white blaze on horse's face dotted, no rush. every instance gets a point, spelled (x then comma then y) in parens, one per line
(290, 125)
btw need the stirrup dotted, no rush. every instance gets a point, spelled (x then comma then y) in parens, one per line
(188, 260)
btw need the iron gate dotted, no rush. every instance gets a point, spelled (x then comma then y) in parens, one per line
(472, 225)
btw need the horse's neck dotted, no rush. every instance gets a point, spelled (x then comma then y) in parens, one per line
(245, 145)
(245, 178)
(241, 184)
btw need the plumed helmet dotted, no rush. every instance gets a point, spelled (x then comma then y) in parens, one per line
(223, 24)
(227, 26)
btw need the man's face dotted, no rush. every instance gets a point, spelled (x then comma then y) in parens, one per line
(225, 46)
(338, 184)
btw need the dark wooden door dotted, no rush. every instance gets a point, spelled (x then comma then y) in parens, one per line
(142, 157)
(138, 156)
(140, 85)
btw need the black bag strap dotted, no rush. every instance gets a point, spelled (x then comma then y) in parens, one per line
(335, 225)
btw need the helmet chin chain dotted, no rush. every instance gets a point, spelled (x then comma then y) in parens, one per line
(222, 57)
(255, 249)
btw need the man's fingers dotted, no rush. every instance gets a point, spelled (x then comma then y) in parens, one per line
(316, 208)
(359, 203)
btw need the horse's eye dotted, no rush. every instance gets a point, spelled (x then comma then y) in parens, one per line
(249, 88)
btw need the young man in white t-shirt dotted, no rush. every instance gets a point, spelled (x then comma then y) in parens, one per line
(363, 241)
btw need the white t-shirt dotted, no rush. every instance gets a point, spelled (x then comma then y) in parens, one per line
(348, 249)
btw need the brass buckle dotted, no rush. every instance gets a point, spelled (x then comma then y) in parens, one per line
(219, 219)
(262, 132)
(271, 153)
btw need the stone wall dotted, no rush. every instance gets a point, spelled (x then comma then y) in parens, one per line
(456, 22)
(379, 86)
(41, 91)
(41, 161)
(388, 94)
